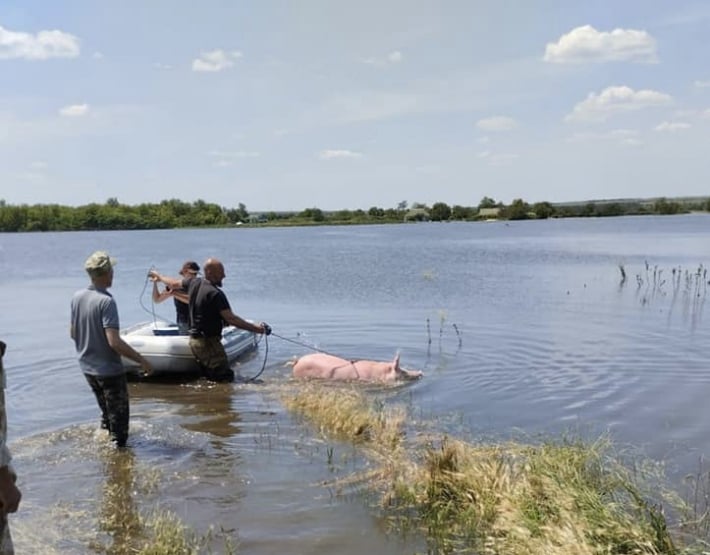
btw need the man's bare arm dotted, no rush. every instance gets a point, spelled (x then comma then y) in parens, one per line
(239, 322)
(124, 349)
(173, 283)
(181, 296)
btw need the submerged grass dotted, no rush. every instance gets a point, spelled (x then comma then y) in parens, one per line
(558, 497)
(341, 411)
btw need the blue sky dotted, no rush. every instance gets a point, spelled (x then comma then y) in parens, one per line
(286, 105)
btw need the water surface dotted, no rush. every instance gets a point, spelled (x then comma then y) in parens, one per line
(522, 328)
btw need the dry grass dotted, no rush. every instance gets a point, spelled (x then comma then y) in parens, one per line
(342, 412)
(558, 498)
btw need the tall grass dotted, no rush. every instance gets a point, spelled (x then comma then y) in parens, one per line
(555, 498)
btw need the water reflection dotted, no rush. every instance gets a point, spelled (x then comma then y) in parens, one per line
(206, 407)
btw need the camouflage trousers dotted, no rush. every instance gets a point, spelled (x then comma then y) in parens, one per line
(210, 355)
(6, 547)
(111, 394)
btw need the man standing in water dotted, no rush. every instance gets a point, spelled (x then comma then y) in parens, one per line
(95, 331)
(9, 494)
(182, 314)
(209, 310)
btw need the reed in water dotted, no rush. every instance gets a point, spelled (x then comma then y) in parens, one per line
(556, 497)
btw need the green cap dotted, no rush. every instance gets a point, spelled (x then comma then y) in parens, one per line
(99, 263)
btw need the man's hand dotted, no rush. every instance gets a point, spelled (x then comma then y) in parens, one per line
(9, 494)
(153, 275)
(146, 368)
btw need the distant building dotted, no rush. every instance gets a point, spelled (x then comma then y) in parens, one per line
(489, 213)
(257, 218)
(417, 215)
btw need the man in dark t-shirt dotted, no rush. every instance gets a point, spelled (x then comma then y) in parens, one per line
(182, 314)
(209, 312)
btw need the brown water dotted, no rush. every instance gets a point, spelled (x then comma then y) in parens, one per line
(546, 341)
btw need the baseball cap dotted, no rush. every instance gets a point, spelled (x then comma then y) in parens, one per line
(190, 267)
(99, 263)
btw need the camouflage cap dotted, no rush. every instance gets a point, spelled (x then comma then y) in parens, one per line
(99, 263)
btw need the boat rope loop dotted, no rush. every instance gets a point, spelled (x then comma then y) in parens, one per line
(150, 310)
(263, 364)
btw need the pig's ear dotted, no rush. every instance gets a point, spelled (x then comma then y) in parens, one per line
(395, 362)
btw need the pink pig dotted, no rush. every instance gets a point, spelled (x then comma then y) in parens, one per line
(321, 365)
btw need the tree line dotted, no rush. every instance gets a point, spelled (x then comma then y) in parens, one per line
(173, 213)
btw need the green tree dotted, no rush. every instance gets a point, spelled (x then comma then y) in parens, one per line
(518, 210)
(662, 206)
(440, 212)
(314, 214)
(459, 212)
(543, 210)
(487, 202)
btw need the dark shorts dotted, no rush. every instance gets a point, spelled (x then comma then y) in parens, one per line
(111, 394)
(210, 355)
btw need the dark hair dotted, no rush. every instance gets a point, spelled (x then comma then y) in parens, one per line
(190, 266)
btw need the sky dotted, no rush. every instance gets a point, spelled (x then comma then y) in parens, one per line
(291, 104)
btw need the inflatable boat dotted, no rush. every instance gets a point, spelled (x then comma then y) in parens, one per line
(169, 352)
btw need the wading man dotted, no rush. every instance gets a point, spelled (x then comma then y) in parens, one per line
(95, 331)
(209, 311)
(9, 494)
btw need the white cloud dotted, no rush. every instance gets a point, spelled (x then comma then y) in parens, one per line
(74, 110)
(598, 107)
(393, 57)
(497, 123)
(215, 60)
(41, 46)
(625, 137)
(622, 137)
(368, 106)
(162, 67)
(97, 55)
(672, 126)
(502, 159)
(484, 140)
(497, 159)
(234, 155)
(226, 158)
(706, 113)
(586, 44)
(702, 84)
(332, 154)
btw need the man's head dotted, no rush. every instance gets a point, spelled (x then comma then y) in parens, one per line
(214, 271)
(189, 269)
(99, 266)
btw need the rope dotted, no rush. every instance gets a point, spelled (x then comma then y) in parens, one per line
(263, 365)
(302, 344)
(150, 311)
(266, 352)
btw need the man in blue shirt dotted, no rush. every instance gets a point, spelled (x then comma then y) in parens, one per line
(95, 331)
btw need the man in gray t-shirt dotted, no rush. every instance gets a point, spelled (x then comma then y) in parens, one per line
(95, 331)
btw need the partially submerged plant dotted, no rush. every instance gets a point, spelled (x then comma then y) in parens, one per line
(342, 411)
(553, 498)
